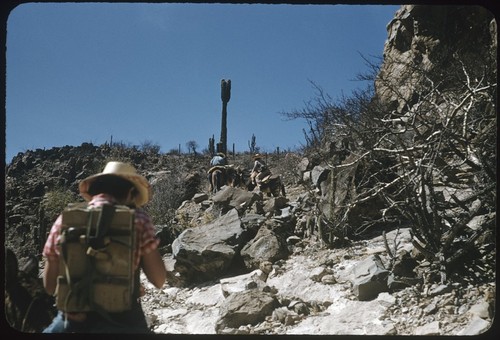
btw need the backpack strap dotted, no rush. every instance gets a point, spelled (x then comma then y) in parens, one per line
(97, 241)
(64, 250)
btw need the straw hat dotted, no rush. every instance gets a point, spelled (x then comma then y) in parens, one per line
(123, 170)
(257, 156)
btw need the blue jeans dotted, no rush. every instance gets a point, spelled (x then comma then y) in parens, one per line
(132, 321)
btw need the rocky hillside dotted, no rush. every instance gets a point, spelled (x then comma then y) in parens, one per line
(391, 234)
(277, 277)
(39, 183)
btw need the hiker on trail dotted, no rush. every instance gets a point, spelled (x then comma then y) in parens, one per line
(118, 185)
(259, 170)
(219, 161)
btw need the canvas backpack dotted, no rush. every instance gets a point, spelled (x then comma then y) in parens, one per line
(96, 269)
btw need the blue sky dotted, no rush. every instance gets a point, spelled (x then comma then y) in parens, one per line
(151, 72)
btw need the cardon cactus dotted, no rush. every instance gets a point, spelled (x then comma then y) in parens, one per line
(225, 94)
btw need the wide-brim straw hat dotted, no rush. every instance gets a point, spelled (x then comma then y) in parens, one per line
(257, 156)
(123, 170)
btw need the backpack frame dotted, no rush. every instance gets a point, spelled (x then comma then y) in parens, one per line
(96, 269)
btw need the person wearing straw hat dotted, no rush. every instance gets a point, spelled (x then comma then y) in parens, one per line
(219, 159)
(118, 184)
(259, 170)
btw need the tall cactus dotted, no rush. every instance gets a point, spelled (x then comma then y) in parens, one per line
(252, 145)
(225, 95)
(211, 145)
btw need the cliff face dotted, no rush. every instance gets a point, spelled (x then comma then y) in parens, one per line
(426, 39)
(424, 151)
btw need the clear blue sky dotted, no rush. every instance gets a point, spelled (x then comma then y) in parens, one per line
(83, 72)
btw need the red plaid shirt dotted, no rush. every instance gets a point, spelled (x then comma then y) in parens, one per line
(147, 242)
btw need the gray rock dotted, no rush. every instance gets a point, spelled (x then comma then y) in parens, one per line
(304, 165)
(206, 252)
(370, 278)
(430, 308)
(329, 279)
(440, 289)
(275, 204)
(319, 174)
(265, 246)
(200, 197)
(229, 198)
(318, 273)
(243, 308)
(255, 279)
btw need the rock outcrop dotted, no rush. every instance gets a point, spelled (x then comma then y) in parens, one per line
(425, 38)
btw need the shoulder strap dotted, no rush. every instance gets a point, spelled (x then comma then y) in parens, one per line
(96, 241)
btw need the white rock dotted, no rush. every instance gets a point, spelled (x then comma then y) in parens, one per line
(428, 329)
(480, 310)
(386, 299)
(475, 327)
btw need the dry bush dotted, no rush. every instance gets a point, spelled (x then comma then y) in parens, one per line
(168, 192)
(55, 201)
(428, 162)
(286, 165)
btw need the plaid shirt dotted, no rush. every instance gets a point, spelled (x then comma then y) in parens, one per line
(147, 242)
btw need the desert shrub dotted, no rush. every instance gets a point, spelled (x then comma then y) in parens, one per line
(427, 160)
(168, 194)
(286, 166)
(56, 200)
(149, 147)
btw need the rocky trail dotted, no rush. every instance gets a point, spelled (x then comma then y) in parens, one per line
(311, 292)
(313, 289)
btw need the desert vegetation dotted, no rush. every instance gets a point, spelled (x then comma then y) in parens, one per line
(419, 147)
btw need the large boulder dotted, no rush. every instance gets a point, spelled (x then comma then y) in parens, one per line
(265, 246)
(370, 278)
(243, 308)
(207, 252)
(274, 205)
(233, 198)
